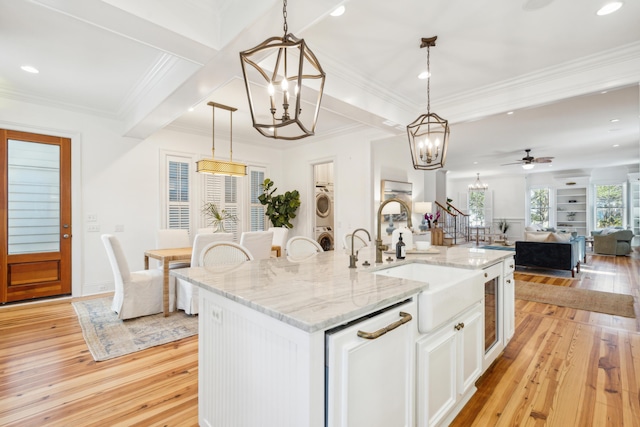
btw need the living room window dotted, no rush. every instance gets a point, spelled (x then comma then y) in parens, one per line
(539, 206)
(609, 206)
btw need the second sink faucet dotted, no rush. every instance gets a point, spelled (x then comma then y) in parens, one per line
(379, 246)
(354, 256)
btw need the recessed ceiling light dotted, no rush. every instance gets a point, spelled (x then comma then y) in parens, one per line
(616, 145)
(609, 8)
(30, 69)
(614, 120)
(338, 11)
(423, 75)
(510, 113)
(191, 109)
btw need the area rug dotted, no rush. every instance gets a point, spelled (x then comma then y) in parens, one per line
(581, 299)
(108, 337)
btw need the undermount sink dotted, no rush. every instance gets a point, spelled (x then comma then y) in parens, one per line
(450, 290)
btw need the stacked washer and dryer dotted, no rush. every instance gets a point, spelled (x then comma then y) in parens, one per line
(324, 205)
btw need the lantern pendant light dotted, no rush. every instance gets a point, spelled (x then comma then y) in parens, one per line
(429, 133)
(279, 75)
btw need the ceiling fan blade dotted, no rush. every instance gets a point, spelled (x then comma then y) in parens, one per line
(519, 162)
(542, 160)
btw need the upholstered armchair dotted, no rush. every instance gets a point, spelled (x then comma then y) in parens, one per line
(611, 241)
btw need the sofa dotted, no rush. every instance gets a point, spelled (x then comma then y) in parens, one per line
(612, 241)
(545, 249)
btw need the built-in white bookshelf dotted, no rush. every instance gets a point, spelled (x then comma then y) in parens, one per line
(571, 209)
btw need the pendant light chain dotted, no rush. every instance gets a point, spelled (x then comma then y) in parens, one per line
(231, 135)
(428, 80)
(284, 15)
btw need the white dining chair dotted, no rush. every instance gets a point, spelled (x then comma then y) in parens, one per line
(258, 243)
(224, 253)
(187, 293)
(173, 238)
(204, 231)
(137, 293)
(302, 245)
(280, 235)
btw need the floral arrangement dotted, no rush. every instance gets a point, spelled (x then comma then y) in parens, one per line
(432, 218)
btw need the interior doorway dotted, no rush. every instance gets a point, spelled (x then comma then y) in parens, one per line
(35, 219)
(324, 205)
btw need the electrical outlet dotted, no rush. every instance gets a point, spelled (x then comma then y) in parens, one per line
(119, 228)
(93, 229)
(92, 218)
(216, 314)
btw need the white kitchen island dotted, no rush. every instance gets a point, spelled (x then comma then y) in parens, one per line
(267, 329)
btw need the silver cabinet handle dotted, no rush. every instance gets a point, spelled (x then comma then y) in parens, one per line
(406, 317)
(65, 236)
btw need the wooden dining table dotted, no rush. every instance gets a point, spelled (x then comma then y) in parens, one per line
(167, 256)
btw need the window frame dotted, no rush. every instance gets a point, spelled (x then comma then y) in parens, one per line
(166, 158)
(197, 189)
(550, 204)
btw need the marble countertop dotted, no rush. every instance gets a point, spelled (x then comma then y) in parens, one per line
(321, 291)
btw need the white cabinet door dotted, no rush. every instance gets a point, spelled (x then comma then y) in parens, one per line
(449, 363)
(509, 293)
(370, 382)
(509, 303)
(470, 339)
(437, 366)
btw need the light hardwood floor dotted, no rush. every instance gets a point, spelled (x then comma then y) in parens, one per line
(564, 367)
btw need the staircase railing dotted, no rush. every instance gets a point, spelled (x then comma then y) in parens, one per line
(455, 223)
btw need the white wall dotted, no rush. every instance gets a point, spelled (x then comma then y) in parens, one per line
(117, 179)
(353, 203)
(508, 195)
(392, 161)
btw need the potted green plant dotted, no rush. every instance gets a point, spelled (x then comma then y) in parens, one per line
(217, 217)
(281, 208)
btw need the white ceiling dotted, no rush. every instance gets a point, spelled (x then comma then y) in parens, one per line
(144, 63)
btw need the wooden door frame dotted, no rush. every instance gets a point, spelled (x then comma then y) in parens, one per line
(65, 274)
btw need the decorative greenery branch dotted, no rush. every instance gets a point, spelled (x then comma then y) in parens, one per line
(217, 217)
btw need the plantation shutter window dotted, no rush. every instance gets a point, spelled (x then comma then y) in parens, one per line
(178, 206)
(257, 210)
(223, 191)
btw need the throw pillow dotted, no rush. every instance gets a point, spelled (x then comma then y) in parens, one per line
(559, 237)
(536, 236)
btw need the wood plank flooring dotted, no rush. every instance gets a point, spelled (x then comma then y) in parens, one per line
(567, 367)
(564, 367)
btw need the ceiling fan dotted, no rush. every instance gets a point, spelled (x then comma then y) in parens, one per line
(528, 161)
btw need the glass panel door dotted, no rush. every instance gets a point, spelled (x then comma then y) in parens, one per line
(35, 216)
